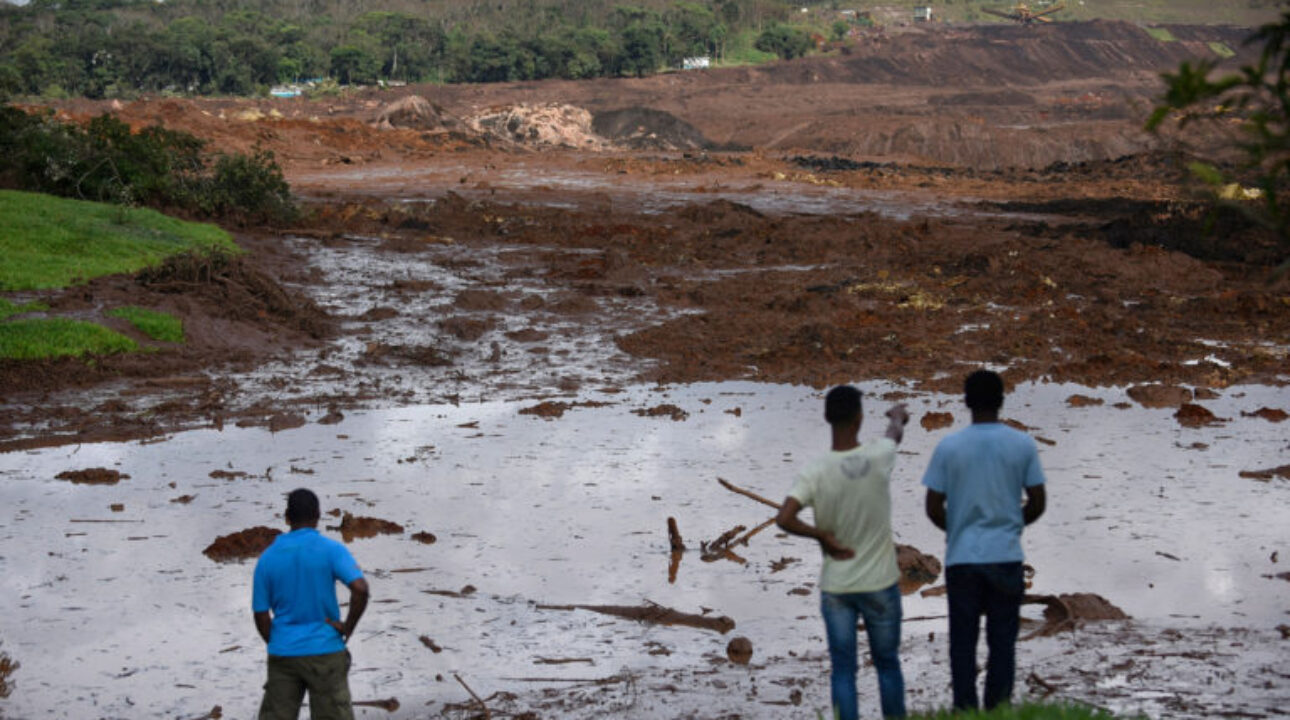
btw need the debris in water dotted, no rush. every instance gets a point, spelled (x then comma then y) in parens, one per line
(936, 420)
(1160, 396)
(241, 545)
(424, 537)
(916, 568)
(739, 650)
(355, 527)
(1193, 416)
(655, 615)
(1270, 414)
(666, 409)
(434, 648)
(93, 476)
(1063, 612)
(1079, 401)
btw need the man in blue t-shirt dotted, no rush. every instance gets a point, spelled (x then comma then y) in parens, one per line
(294, 601)
(975, 482)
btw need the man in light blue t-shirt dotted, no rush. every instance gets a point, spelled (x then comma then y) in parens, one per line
(293, 599)
(975, 483)
(849, 490)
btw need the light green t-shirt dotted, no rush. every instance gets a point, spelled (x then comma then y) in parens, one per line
(850, 493)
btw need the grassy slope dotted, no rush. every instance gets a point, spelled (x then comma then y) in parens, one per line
(49, 242)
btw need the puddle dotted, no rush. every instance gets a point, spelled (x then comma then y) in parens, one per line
(119, 614)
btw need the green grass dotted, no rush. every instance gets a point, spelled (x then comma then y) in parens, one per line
(1024, 712)
(1221, 50)
(51, 242)
(156, 325)
(740, 51)
(8, 309)
(54, 337)
(1161, 34)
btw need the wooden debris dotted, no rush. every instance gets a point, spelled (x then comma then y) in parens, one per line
(674, 536)
(488, 714)
(746, 493)
(654, 614)
(388, 704)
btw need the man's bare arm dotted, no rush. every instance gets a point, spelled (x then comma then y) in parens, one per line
(935, 507)
(264, 624)
(1036, 501)
(789, 522)
(359, 593)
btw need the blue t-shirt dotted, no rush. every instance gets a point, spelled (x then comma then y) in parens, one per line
(295, 578)
(982, 470)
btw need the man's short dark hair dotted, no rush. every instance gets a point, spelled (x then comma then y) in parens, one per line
(983, 390)
(302, 506)
(842, 405)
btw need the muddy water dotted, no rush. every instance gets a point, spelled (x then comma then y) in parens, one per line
(118, 614)
(544, 185)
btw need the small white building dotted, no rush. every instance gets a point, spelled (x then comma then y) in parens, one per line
(702, 62)
(922, 13)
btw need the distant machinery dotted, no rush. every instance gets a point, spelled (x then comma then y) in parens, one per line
(1022, 13)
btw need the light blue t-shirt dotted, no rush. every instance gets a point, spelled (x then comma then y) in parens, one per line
(982, 470)
(295, 579)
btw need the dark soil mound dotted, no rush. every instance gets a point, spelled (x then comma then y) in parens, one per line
(642, 128)
(239, 288)
(241, 545)
(1022, 55)
(92, 476)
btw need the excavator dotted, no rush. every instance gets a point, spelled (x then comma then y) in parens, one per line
(1022, 13)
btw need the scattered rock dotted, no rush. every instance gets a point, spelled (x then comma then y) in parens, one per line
(434, 648)
(183, 499)
(739, 650)
(936, 420)
(425, 538)
(92, 476)
(241, 545)
(1160, 396)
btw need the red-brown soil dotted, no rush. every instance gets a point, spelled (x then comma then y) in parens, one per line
(356, 527)
(1064, 245)
(241, 545)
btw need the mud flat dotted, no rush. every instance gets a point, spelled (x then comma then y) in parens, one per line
(127, 617)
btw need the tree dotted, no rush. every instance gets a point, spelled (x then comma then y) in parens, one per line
(784, 41)
(1259, 96)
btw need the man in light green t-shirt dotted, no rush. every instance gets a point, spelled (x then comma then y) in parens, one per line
(850, 492)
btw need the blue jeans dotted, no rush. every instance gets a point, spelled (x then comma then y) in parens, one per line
(881, 613)
(994, 590)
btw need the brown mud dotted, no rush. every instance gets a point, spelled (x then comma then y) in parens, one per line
(241, 545)
(357, 527)
(93, 476)
(1041, 231)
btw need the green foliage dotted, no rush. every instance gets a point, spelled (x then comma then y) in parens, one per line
(8, 308)
(1221, 50)
(156, 325)
(1161, 34)
(1259, 97)
(162, 168)
(50, 242)
(53, 337)
(785, 41)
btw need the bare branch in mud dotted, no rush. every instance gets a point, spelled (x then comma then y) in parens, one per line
(743, 539)
(488, 714)
(747, 493)
(674, 536)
